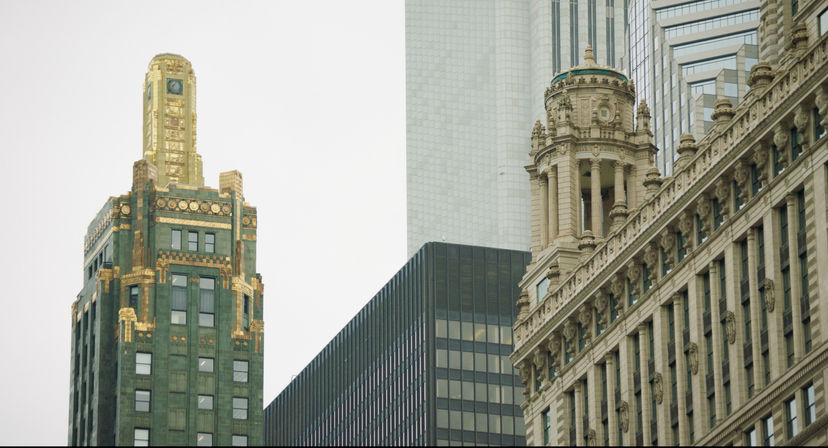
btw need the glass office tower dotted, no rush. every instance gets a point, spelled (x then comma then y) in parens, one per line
(425, 362)
(686, 55)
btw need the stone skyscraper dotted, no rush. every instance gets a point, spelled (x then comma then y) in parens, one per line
(685, 309)
(476, 71)
(167, 332)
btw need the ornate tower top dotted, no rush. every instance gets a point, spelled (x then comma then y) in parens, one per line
(170, 120)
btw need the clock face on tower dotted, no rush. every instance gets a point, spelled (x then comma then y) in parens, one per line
(174, 86)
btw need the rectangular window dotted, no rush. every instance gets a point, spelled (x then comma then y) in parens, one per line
(790, 417)
(240, 371)
(767, 428)
(246, 313)
(178, 302)
(175, 240)
(796, 144)
(776, 155)
(632, 297)
(645, 274)
(192, 241)
(702, 237)
(547, 426)
(205, 364)
(238, 440)
(210, 243)
(819, 130)
(204, 439)
(142, 401)
(718, 219)
(133, 297)
(141, 437)
(750, 437)
(239, 408)
(205, 402)
(207, 302)
(823, 22)
(810, 404)
(143, 363)
(749, 380)
(542, 288)
(613, 311)
(755, 181)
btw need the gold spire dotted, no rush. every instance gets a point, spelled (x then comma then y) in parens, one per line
(170, 120)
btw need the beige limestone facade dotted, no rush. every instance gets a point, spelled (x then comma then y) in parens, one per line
(683, 309)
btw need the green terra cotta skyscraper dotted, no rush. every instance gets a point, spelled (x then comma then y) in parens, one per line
(167, 344)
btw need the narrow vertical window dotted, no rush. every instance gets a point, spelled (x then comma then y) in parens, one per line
(810, 404)
(790, 417)
(207, 302)
(192, 241)
(750, 437)
(133, 297)
(178, 301)
(210, 243)
(767, 429)
(547, 426)
(175, 240)
(246, 313)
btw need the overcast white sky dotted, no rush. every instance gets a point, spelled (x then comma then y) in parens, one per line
(305, 98)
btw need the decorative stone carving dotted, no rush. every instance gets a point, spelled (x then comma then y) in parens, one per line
(523, 305)
(760, 158)
(722, 194)
(591, 438)
(538, 136)
(730, 327)
(553, 274)
(651, 258)
(685, 225)
(801, 115)
(587, 242)
(634, 276)
(569, 334)
(761, 75)
(643, 115)
(525, 374)
(554, 346)
(600, 303)
(741, 174)
(703, 209)
(780, 139)
(693, 352)
(625, 416)
(686, 150)
(652, 182)
(585, 318)
(539, 360)
(138, 250)
(668, 242)
(658, 387)
(723, 111)
(770, 295)
(822, 104)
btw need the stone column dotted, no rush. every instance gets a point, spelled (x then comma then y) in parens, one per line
(716, 326)
(681, 370)
(612, 421)
(544, 211)
(618, 214)
(552, 176)
(595, 197)
(755, 311)
(579, 412)
(795, 274)
(646, 412)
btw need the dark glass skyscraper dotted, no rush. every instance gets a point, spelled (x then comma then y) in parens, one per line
(425, 362)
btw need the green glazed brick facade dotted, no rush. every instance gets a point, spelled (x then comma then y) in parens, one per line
(167, 336)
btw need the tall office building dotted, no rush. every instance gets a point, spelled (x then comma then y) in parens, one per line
(167, 330)
(475, 73)
(698, 318)
(685, 55)
(425, 362)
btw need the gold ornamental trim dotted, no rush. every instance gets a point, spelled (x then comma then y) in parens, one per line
(193, 222)
(248, 237)
(166, 258)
